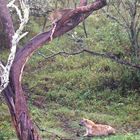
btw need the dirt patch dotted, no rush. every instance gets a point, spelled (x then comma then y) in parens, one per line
(73, 131)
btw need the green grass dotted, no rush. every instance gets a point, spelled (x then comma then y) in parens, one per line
(63, 110)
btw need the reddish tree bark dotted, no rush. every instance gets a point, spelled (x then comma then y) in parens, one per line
(14, 94)
(6, 22)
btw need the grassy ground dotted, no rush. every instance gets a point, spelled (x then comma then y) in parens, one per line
(62, 121)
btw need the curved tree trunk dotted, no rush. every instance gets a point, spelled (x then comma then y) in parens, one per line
(14, 94)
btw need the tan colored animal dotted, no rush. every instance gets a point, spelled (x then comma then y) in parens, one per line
(56, 16)
(93, 129)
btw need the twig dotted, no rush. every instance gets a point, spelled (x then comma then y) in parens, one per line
(114, 18)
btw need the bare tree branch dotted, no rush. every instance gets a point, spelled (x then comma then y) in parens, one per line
(114, 18)
(93, 53)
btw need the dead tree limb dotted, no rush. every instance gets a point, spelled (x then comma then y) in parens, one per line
(93, 53)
